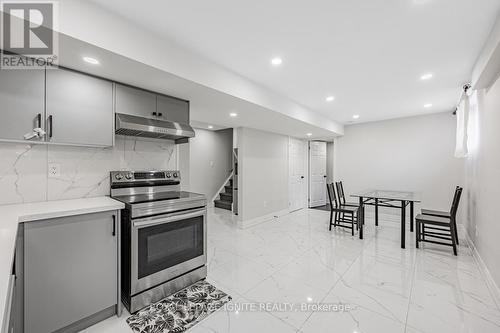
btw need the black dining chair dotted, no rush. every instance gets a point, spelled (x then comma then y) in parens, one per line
(439, 228)
(345, 216)
(443, 213)
(341, 195)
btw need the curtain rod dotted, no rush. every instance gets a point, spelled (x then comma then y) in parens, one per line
(465, 88)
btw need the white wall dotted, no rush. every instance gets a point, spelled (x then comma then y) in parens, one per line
(263, 174)
(409, 154)
(482, 179)
(85, 171)
(330, 155)
(210, 160)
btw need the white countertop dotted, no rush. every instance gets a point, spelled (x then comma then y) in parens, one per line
(12, 215)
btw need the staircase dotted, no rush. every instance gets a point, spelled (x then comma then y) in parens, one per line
(225, 200)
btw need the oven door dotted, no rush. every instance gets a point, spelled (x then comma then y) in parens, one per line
(167, 246)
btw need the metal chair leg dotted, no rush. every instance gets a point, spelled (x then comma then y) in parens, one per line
(352, 224)
(453, 239)
(331, 217)
(417, 233)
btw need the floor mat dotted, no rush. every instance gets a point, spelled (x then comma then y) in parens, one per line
(180, 311)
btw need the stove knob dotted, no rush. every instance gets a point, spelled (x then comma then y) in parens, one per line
(176, 175)
(119, 176)
(169, 175)
(128, 176)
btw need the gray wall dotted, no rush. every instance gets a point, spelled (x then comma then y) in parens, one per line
(210, 160)
(482, 179)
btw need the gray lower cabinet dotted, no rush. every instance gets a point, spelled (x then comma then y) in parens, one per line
(135, 101)
(79, 109)
(16, 324)
(70, 272)
(21, 102)
(172, 109)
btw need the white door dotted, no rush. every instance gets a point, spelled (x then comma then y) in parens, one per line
(317, 173)
(297, 159)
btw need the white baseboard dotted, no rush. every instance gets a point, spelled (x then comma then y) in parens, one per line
(490, 282)
(261, 219)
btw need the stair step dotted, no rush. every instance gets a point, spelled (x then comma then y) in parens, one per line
(228, 197)
(228, 189)
(223, 204)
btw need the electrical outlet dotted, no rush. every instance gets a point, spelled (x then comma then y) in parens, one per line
(54, 170)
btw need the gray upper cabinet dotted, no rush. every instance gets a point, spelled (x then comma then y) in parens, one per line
(70, 271)
(21, 102)
(134, 101)
(79, 109)
(143, 103)
(173, 109)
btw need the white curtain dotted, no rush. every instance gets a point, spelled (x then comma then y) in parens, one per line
(461, 149)
(473, 123)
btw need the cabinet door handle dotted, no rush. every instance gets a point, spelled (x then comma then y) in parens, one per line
(50, 126)
(114, 225)
(39, 120)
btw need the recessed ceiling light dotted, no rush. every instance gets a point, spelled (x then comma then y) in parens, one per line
(309, 134)
(91, 60)
(427, 105)
(330, 98)
(210, 127)
(233, 114)
(276, 61)
(356, 116)
(426, 76)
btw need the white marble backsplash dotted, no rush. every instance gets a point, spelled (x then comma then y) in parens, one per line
(84, 171)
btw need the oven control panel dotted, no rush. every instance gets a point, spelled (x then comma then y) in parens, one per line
(141, 176)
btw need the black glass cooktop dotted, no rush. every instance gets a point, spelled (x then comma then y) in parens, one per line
(170, 195)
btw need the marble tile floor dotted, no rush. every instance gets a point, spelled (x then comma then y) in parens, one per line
(281, 271)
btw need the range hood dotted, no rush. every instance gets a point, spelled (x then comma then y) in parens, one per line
(152, 128)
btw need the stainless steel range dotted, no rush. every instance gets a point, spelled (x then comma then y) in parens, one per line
(164, 235)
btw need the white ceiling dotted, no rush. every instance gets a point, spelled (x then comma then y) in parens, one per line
(369, 54)
(208, 107)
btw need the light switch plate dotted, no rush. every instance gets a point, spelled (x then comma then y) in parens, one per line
(54, 170)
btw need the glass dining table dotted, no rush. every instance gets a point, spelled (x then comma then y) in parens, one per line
(390, 199)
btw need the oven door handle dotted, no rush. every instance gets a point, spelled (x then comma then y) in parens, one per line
(150, 221)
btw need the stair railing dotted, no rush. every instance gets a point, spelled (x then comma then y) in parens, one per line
(222, 187)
